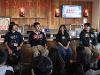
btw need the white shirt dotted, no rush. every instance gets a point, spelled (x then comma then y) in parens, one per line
(3, 69)
(93, 72)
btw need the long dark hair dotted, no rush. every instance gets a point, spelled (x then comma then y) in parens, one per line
(59, 31)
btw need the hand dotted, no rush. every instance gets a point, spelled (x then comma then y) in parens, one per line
(65, 47)
(33, 72)
(18, 48)
(46, 47)
(10, 51)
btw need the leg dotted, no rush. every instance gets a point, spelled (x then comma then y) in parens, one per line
(43, 50)
(68, 54)
(61, 51)
(35, 51)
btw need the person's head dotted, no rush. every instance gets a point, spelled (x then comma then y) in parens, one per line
(2, 57)
(62, 28)
(42, 65)
(12, 26)
(36, 25)
(87, 26)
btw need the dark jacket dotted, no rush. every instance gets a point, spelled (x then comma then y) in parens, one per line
(37, 39)
(63, 38)
(13, 38)
(87, 38)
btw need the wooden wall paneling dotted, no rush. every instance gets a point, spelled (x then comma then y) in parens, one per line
(3, 13)
(42, 5)
(49, 13)
(55, 23)
(43, 22)
(52, 25)
(0, 7)
(62, 21)
(36, 10)
(30, 21)
(33, 9)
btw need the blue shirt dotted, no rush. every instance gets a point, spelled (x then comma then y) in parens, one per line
(87, 38)
(13, 39)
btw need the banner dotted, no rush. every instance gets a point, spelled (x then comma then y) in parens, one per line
(4, 23)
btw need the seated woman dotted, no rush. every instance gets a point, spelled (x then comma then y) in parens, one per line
(4, 69)
(63, 41)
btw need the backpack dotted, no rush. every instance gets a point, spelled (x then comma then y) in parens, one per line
(42, 65)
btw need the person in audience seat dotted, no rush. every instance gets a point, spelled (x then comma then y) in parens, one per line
(83, 57)
(42, 65)
(4, 69)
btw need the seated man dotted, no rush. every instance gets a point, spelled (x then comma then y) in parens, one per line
(38, 40)
(4, 69)
(88, 38)
(89, 41)
(13, 42)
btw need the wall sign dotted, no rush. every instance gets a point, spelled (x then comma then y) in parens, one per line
(4, 23)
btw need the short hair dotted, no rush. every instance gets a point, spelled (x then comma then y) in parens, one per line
(35, 24)
(11, 26)
(87, 24)
(2, 56)
(13, 23)
(42, 65)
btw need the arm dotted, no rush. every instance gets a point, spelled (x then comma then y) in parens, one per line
(33, 72)
(67, 45)
(45, 40)
(98, 37)
(94, 40)
(20, 42)
(57, 39)
(6, 44)
(83, 40)
(68, 38)
(19, 47)
(60, 44)
(8, 48)
(30, 39)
